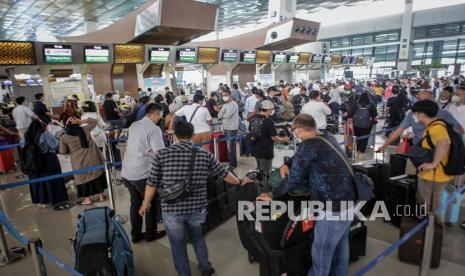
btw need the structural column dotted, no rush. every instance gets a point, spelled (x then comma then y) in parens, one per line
(405, 51)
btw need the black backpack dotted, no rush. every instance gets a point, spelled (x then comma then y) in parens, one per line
(255, 130)
(29, 159)
(362, 118)
(130, 118)
(456, 163)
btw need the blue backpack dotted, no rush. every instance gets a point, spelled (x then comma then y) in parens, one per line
(101, 245)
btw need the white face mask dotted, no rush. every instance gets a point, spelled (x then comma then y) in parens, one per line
(272, 112)
(225, 99)
(455, 99)
(443, 101)
(204, 103)
(415, 119)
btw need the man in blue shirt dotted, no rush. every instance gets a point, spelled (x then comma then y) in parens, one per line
(318, 164)
(141, 108)
(419, 128)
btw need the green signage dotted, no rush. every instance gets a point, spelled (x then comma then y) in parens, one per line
(229, 56)
(187, 55)
(96, 54)
(280, 57)
(248, 56)
(160, 55)
(294, 58)
(58, 54)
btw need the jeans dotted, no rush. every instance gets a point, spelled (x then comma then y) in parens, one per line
(176, 227)
(232, 156)
(136, 191)
(330, 249)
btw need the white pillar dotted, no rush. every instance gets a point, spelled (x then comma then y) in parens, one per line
(405, 51)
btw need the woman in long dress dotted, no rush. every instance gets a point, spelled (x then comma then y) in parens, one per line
(52, 191)
(77, 141)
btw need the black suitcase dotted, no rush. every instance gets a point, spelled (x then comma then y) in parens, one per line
(398, 164)
(357, 240)
(401, 196)
(412, 250)
(379, 173)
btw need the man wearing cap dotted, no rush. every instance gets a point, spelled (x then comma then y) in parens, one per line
(263, 149)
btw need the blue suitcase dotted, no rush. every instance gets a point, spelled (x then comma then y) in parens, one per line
(452, 213)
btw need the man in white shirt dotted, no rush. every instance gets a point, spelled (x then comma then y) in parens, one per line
(23, 117)
(251, 102)
(295, 90)
(317, 109)
(457, 107)
(199, 117)
(229, 114)
(144, 141)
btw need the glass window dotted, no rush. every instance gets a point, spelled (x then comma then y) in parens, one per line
(335, 43)
(357, 52)
(394, 36)
(380, 38)
(418, 50)
(357, 40)
(452, 29)
(449, 49)
(345, 41)
(434, 31)
(391, 53)
(368, 39)
(419, 33)
(368, 52)
(461, 50)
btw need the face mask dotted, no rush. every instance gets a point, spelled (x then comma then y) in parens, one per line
(204, 103)
(455, 99)
(225, 99)
(272, 112)
(297, 139)
(443, 101)
(415, 119)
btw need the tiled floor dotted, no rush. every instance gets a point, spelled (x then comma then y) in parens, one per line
(55, 228)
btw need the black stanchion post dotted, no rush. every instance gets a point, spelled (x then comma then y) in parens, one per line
(37, 259)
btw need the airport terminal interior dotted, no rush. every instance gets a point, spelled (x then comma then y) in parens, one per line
(176, 137)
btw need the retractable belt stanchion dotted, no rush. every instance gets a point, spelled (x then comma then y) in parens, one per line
(37, 259)
(354, 148)
(215, 147)
(427, 245)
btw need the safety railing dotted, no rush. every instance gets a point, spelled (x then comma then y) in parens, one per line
(35, 245)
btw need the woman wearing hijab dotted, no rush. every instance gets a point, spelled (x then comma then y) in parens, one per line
(77, 141)
(52, 191)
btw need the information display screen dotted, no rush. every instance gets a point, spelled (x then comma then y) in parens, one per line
(56, 53)
(159, 55)
(248, 56)
(208, 55)
(263, 57)
(304, 58)
(294, 58)
(96, 54)
(360, 60)
(335, 59)
(326, 59)
(229, 55)
(316, 58)
(346, 59)
(353, 60)
(279, 57)
(188, 55)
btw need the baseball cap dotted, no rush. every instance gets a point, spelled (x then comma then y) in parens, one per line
(267, 105)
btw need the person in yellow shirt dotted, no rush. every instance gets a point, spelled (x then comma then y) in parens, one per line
(432, 179)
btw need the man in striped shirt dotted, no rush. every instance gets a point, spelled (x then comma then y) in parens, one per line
(172, 165)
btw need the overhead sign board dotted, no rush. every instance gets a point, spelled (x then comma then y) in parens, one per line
(96, 54)
(248, 56)
(188, 55)
(316, 59)
(229, 55)
(279, 57)
(57, 53)
(294, 58)
(159, 55)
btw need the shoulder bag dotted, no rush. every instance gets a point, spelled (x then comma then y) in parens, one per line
(363, 184)
(175, 192)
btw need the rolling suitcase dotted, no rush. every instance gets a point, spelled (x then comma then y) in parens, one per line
(7, 161)
(452, 213)
(357, 240)
(402, 193)
(398, 164)
(412, 250)
(222, 147)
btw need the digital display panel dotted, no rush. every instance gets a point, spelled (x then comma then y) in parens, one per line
(248, 56)
(159, 55)
(16, 53)
(56, 53)
(96, 54)
(360, 60)
(304, 58)
(128, 53)
(335, 59)
(188, 55)
(316, 58)
(229, 55)
(346, 59)
(294, 58)
(263, 56)
(279, 57)
(353, 60)
(326, 59)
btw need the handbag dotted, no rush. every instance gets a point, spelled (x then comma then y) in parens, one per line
(175, 192)
(403, 146)
(419, 155)
(363, 184)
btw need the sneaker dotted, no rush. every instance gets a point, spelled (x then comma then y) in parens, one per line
(208, 272)
(137, 238)
(159, 235)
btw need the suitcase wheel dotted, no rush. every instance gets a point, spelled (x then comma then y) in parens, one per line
(251, 259)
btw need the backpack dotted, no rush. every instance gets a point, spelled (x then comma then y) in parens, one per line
(255, 130)
(130, 117)
(278, 107)
(29, 159)
(288, 113)
(362, 118)
(101, 245)
(456, 163)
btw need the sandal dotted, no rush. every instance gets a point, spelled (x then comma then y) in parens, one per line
(102, 198)
(85, 204)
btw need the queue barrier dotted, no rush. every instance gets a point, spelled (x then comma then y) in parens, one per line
(36, 245)
(423, 223)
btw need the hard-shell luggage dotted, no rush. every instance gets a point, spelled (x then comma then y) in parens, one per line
(101, 245)
(400, 197)
(357, 240)
(222, 147)
(379, 172)
(7, 161)
(398, 164)
(452, 213)
(412, 250)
